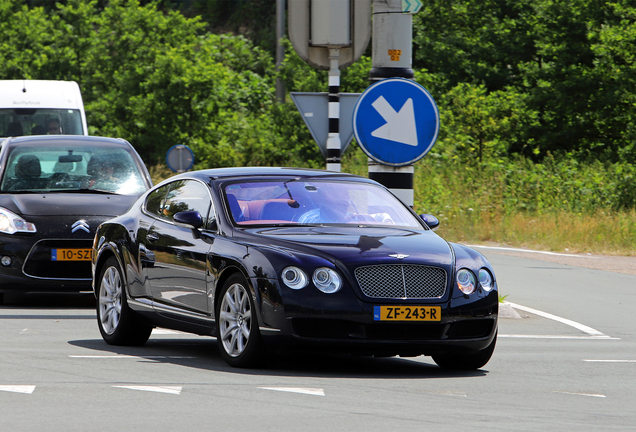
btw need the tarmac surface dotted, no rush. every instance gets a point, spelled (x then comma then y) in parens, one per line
(617, 264)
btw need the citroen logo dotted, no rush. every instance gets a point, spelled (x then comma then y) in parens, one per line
(398, 256)
(80, 225)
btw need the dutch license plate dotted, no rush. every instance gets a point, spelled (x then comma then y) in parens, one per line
(407, 313)
(70, 254)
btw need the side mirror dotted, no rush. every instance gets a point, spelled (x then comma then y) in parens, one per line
(189, 219)
(430, 220)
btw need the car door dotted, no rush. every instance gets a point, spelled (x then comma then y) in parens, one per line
(177, 276)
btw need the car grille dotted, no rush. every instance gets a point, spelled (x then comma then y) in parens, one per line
(39, 264)
(403, 281)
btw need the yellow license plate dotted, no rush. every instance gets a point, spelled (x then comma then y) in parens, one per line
(70, 254)
(407, 313)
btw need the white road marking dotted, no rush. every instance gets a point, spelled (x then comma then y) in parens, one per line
(17, 388)
(528, 336)
(452, 393)
(582, 394)
(162, 331)
(309, 391)
(158, 389)
(578, 326)
(610, 361)
(531, 251)
(123, 356)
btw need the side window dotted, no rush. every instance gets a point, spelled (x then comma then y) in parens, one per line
(154, 201)
(188, 195)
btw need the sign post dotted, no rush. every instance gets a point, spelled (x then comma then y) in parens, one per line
(392, 56)
(330, 35)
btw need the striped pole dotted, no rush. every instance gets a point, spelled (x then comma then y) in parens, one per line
(333, 140)
(398, 180)
(391, 58)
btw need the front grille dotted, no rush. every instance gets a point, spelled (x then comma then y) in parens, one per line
(39, 264)
(401, 281)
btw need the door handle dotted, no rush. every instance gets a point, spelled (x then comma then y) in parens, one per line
(151, 237)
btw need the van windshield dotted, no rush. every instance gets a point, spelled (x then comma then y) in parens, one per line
(40, 121)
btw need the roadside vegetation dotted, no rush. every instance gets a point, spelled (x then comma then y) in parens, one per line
(537, 102)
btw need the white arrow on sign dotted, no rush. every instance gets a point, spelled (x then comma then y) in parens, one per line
(400, 126)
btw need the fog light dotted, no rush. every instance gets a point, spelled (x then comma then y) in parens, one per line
(5, 260)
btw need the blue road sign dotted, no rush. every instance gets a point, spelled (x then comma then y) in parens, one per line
(180, 158)
(396, 122)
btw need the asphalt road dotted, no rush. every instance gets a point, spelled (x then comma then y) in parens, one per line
(566, 360)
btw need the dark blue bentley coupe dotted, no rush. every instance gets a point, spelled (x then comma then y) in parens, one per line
(272, 259)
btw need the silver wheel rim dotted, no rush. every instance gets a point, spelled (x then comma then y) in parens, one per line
(235, 320)
(110, 300)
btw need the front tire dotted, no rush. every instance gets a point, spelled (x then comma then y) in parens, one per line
(117, 323)
(463, 361)
(238, 336)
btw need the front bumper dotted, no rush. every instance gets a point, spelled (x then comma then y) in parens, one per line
(32, 268)
(346, 324)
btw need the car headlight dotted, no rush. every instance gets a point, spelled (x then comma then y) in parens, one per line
(12, 223)
(294, 278)
(466, 281)
(486, 280)
(327, 280)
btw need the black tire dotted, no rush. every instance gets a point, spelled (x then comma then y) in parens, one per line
(117, 323)
(237, 333)
(466, 361)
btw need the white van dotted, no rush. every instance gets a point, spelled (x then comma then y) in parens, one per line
(35, 107)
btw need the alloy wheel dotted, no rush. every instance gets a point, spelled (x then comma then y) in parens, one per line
(110, 293)
(235, 320)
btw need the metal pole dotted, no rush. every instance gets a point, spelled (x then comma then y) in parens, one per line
(391, 58)
(333, 140)
(280, 51)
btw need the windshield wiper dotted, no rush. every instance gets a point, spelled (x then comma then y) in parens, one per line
(84, 190)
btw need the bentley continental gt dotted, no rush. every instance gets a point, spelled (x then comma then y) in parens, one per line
(268, 260)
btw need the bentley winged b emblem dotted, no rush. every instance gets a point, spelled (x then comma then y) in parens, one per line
(398, 256)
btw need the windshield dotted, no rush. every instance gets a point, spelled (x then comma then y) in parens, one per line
(35, 121)
(72, 167)
(315, 202)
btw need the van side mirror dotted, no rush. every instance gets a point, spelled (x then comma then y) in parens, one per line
(430, 220)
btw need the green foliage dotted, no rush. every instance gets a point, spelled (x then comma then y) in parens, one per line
(476, 124)
(571, 63)
(519, 185)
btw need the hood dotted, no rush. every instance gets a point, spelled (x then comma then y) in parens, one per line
(361, 245)
(61, 204)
